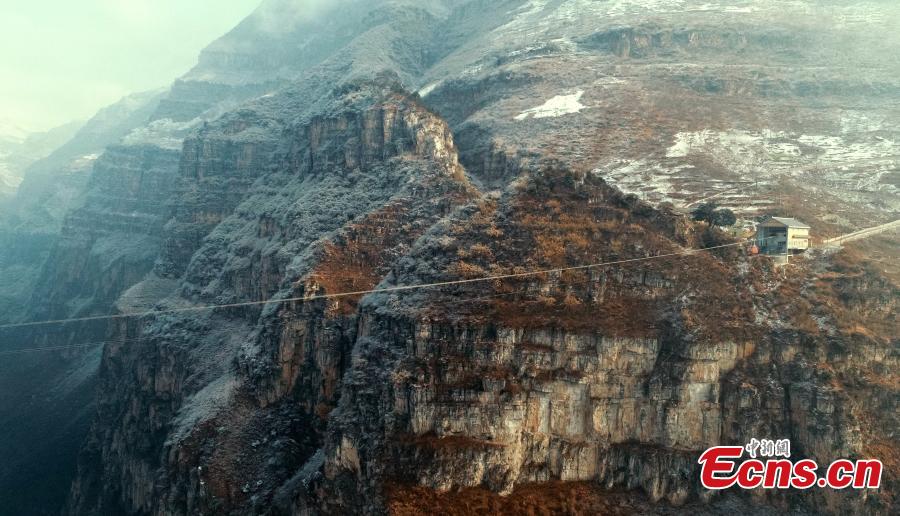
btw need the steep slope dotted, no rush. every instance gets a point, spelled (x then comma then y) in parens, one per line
(314, 222)
(45, 405)
(31, 221)
(75, 244)
(51, 184)
(17, 153)
(279, 168)
(618, 376)
(755, 105)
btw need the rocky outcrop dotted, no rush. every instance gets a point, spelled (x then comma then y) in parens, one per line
(84, 235)
(546, 379)
(111, 242)
(31, 222)
(389, 164)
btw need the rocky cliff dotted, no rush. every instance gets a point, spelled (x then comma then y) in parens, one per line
(88, 220)
(347, 194)
(295, 162)
(47, 399)
(618, 376)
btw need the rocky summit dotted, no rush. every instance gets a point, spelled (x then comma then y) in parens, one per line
(254, 231)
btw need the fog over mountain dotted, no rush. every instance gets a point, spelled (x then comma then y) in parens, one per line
(179, 332)
(20, 148)
(66, 60)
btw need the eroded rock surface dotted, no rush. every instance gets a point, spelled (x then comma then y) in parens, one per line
(294, 162)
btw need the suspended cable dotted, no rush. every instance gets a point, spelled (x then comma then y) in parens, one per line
(399, 288)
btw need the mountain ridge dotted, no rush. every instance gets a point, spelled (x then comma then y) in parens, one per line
(543, 134)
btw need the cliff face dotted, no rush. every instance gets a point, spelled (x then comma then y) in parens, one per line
(19, 149)
(32, 220)
(87, 225)
(346, 195)
(57, 266)
(620, 377)
(288, 165)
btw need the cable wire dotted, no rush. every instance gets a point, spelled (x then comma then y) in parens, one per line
(399, 288)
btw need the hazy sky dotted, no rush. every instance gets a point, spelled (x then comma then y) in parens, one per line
(62, 60)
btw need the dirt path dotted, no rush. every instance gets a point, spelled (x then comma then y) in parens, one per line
(862, 233)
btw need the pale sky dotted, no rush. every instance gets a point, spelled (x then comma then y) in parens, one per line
(62, 60)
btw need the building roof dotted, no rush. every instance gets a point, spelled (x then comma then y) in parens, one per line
(788, 222)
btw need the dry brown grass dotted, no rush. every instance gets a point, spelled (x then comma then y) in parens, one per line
(858, 297)
(880, 252)
(359, 260)
(562, 218)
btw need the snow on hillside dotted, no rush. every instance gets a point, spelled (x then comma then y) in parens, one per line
(855, 163)
(164, 133)
(557, 106)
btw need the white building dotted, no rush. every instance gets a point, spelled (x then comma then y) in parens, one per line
(782, 236)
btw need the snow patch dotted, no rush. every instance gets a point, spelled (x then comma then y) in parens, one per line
(857, 122)
(733, 9)
(687, 142)
(557, 106)
(428, 89)
(164, 133)
(854, 162)
(782, 148)
(609, 81)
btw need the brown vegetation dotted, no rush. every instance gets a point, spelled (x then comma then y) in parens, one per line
(559, 219)
(359, 259)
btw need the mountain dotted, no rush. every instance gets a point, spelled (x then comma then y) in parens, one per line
(329, 148)
(84, 226)
(52, 182)
(19, 149)
(12, 133)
